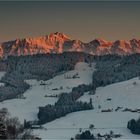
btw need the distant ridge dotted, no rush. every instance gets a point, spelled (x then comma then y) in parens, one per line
(59, 43)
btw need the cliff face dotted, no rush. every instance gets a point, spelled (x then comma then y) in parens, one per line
(48, 44)
(58, 43)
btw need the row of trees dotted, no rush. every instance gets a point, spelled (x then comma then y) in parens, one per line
(51, 112)
(112, 69)
(70, 98)
(67, 103)
(44, 66)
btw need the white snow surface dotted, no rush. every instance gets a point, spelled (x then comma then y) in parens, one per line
(124, 94)
(34, 97)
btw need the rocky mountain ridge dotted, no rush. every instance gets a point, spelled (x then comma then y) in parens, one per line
(59, 43)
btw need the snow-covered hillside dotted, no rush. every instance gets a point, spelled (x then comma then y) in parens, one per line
(115, 98)
(124, 94)
(26, 107)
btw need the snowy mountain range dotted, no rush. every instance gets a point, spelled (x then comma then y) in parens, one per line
(59, 43)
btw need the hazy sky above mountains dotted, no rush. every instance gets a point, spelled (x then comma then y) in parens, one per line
(79, 20)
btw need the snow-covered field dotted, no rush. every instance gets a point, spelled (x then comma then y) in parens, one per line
(124, 94)
(27, 108)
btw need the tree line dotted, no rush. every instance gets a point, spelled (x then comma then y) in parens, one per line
(40, 67)
(113, 68)
(67, 103)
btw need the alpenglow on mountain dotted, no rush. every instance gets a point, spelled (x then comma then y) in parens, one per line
(59, 43)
